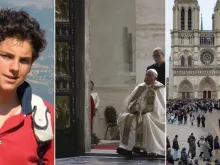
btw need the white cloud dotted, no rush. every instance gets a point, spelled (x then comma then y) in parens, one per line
(39, 4)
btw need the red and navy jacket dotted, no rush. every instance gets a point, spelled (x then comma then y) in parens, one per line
(18, 144)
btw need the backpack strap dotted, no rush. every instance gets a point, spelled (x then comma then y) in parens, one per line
(42, 126)
(42, 149)
(41, 120)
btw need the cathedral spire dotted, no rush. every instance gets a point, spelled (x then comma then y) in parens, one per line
(201, 23)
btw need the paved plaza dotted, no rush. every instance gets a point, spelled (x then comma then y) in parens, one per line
(183, 131)
(108, 160)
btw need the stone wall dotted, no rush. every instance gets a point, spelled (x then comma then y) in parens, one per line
(87, 138)
(111, 22)
(150, 33)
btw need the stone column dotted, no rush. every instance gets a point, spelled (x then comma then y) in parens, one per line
(175, 95)
(196, 94)
(218, 94)
(174, 17)
(171, 74)
(196, 19)
(177, 18)
(186, 19)
(87, 114)
(186, 61)
(217, 19)
(193, 18)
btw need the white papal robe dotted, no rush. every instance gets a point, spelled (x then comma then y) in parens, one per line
(146, 130)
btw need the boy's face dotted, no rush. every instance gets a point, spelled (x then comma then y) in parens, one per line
(15, 63)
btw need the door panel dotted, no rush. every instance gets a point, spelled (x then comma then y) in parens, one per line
(69, 78)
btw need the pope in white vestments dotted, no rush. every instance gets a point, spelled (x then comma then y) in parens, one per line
(142, 121)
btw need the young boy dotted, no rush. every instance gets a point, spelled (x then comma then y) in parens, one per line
(21, 42)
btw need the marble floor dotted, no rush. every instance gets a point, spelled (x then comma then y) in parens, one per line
(105, 160)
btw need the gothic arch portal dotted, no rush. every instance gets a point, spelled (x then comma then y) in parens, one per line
(185, 89)
(207, 88)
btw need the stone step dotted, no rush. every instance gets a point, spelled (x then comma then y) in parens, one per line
(108, 160)
(112, 153)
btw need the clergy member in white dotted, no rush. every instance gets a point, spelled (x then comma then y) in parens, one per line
(142, 121)
(97, 118)
(95, 95)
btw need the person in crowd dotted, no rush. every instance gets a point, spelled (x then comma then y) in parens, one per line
(192, 147)
(168, 142)
(175, 148)
(180, 162)
(210, 140)
(217, 162)
(170, 156)
(200, 144)
(179, 119)
(196, 162)
(203, 121)
(198, 121)
(192, 119)
(216, 146)
(184, 156)
(185, 118)
(172, 117)
(206, 149)
(190, 162)
(208, 161)
(188, 141)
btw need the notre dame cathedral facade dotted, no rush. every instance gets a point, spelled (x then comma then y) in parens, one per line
(195, 53)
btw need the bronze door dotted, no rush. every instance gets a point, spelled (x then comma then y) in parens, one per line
(69, 78)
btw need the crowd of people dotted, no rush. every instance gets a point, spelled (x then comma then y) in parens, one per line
(208, 148)
(181, 111)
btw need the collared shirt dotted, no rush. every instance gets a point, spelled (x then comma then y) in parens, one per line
(18, 144)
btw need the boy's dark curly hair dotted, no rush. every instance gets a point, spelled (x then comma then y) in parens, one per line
(21, 25)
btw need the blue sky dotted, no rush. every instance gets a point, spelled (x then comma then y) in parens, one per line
(37, 3)
(43, 12)
(206, 9)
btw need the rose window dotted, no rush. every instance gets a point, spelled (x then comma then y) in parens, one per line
(207, 58)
